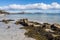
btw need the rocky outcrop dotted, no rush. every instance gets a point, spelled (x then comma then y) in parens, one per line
(40, 31)
(25, 22)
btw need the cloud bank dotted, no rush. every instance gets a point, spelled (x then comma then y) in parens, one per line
(42, 6)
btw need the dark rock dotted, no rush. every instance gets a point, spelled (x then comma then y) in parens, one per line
(8, 27)
(6, 21)
(46, 25)
(55, 27)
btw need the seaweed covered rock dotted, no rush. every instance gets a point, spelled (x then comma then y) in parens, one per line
(57, 38)
(35, 35)
(55, 27)
(40, 31)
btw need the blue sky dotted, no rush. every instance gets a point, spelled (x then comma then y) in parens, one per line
(19, 5)
(7, 2)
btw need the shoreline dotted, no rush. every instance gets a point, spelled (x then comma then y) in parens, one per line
(35, 30)
(40, 31)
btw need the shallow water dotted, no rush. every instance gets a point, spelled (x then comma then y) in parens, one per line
(48, 18)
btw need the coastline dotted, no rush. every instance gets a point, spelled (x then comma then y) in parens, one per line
(33, 25)
(24, 29)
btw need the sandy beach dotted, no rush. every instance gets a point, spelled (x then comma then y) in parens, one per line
(12, 33)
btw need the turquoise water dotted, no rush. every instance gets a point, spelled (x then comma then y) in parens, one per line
(47, 18)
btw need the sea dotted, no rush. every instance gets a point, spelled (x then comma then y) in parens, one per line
(41, 18)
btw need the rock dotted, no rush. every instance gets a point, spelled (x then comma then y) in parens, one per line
(57, 38)
(17, 22)
(46, 25)
(30, 24)
(55, 35)
(55, 27)
(36, 25)
(49, 30)
(24, 20)
(40, 31)
(8, 27)
(6, 21)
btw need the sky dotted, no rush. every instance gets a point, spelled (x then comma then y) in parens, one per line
(48, 6)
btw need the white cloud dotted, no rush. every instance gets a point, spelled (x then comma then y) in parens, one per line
(53, 5)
